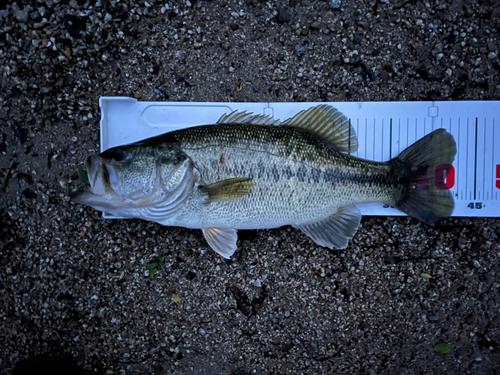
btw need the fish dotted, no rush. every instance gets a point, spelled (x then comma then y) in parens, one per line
(251, 171)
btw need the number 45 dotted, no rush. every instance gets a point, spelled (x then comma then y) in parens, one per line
(478, 205)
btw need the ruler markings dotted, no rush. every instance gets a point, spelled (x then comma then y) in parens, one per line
(484, 157)
(382, 139)
(399, 136)
(467, 154)
(458, 159)
(494, 167)
(482, 146)
(390, 136)
(366, 140)
(407, 132)
(357, 131)
(475, 162)
(373, 137)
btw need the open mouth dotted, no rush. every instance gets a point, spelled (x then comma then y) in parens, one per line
(98, 176)
(103, 177)
(92, 166)
(99, 180)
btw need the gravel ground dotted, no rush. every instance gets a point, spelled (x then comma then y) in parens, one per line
(75, 286)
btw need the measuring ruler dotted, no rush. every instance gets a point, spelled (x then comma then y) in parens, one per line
(383, 129)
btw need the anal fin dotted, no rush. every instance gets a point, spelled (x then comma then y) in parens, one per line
(336, 230)
(222, 240)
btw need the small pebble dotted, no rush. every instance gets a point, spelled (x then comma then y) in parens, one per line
(335, 4)
(283, 15)
(22, 16)
(300, 50)
(3, 14)
(315, 25)
(385, 76)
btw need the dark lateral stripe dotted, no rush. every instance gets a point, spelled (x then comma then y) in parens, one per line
(303, 173)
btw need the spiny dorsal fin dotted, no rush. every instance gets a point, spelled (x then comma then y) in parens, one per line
(242, 117)
(227, 190)
(328, 123)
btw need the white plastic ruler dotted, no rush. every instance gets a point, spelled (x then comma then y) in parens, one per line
(384, 129)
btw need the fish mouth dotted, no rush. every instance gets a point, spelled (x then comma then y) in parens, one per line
(92, 166)
(105, 203)
(100, 194)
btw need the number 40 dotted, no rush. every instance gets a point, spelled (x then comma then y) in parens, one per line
(478, 205)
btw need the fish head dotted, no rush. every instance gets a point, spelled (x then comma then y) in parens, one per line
(125, 179)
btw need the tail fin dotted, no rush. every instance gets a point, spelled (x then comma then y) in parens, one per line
(423, 198)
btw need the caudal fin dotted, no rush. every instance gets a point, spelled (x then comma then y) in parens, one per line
(421, 167)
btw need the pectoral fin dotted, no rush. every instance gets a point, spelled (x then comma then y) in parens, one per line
(336, 230)
(227, 190)
(222, 240)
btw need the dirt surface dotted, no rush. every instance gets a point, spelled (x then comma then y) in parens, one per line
(76, 286)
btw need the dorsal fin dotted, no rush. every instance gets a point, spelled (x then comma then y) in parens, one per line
(328, 123)
(242, 117)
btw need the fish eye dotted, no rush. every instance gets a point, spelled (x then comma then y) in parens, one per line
(117, 154)
(180, 158)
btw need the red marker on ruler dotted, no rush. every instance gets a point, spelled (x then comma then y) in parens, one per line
(446, 171)
(497, 176)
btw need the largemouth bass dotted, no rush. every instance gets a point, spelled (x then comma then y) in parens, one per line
(253, 172)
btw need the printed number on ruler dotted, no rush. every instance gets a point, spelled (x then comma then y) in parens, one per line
(444, 179)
